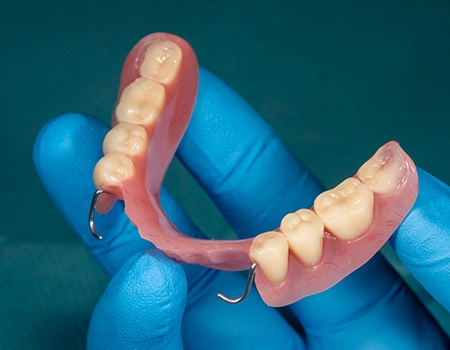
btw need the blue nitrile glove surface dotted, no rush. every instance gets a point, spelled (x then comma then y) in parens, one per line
(153, 302)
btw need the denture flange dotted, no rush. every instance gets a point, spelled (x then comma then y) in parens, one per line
(164, 112)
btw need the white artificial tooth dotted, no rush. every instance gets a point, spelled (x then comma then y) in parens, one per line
(384, 172)
(161, 62)
(141, 102)
(270, 251)
(304, 232)
(113, 169)
(129, 139)
(347, 209)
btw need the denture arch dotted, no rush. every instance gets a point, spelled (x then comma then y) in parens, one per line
(312, 250)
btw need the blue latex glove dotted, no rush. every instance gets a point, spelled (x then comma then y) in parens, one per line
(153, 302)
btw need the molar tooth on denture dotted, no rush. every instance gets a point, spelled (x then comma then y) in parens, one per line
(112, 170)
(127, 138)
(347, 209)
(304, 231)
(161, 62)
(141, 102)
(270, 251)
(384, 172)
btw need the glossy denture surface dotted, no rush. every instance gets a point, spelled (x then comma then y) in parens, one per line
(311, 251)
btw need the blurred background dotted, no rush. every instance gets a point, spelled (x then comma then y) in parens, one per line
(335, 80)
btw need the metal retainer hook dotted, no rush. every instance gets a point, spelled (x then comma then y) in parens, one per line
(92, 210)
(250, 279)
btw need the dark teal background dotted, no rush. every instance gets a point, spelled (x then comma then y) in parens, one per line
(336, 81)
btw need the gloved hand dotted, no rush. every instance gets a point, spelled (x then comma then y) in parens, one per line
(153, 302)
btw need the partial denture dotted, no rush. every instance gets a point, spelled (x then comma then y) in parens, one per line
(311, 251)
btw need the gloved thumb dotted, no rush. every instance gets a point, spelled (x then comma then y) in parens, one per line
(142, 307)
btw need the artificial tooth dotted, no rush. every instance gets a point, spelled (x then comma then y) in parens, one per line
(161, 62)
(129, 139)
(347, 209)
(141, 102)
(113, 169)
(304, 232)
(384, 172)
(270, 251)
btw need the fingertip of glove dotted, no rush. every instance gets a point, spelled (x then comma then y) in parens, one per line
(155, 273)
(149, 285)
(56, 141)
(66, 149)
(142, 305)
(421, 241)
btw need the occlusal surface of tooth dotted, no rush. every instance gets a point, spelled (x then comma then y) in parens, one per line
(270, 251)
(304, 231)
(161, 62)
(346, 210)
(113, 169)
(384, 172)
(141, 102)
(127, 138)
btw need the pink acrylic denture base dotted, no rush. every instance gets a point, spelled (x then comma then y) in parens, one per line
(141, 196)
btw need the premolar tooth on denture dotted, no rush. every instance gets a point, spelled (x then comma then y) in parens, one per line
(127, 138)
(270, 251)
(141, 102)
(161, 62)
(347, 209)
(113, 169)
(384, 172)
(304, 231)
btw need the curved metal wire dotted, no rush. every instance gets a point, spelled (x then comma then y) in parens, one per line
(250, 279)
(92, 210)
